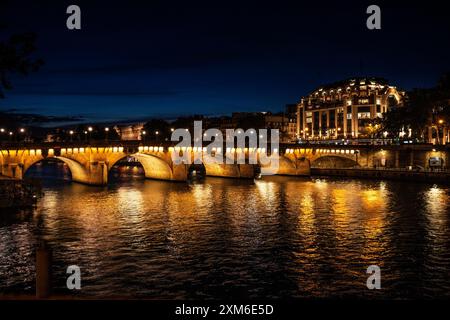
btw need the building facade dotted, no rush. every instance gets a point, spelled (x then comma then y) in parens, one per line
(283, 122)
(346, 109)
(130, 132)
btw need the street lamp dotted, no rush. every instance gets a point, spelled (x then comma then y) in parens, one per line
(444, 134)
(21, 130)
(143, 135)
(90, 129)
(71, 135)
(85, 135)
(106, 133)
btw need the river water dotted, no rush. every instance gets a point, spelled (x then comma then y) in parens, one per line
(277, 237)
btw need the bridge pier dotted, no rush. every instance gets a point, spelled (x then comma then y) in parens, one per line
(12, 170)
(244, 171)
(291, 164)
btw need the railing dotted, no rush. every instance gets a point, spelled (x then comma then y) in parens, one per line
(424, 170)
(166, 144)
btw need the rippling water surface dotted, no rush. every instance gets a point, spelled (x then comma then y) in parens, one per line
(274, 238)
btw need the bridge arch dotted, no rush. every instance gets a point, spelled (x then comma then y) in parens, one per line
(154, 167)
(78, 172)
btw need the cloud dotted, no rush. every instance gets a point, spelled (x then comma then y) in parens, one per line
(115, 93)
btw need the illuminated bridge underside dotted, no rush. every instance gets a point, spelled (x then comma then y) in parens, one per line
(91, 165)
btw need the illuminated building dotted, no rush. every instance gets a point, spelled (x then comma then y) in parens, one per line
(345, 109)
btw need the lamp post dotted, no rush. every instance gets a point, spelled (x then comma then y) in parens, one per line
(444, 138)
(90, 129)
(106, 134)
(143, 135)
(85, 135)
(22, 131)
(385, 134)
(157, 135)
(71, 135)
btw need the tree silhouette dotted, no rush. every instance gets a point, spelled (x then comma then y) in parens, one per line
(157, 130)
(16, 57)
(422, 108)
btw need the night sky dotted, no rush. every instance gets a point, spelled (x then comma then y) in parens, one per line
(137, 59)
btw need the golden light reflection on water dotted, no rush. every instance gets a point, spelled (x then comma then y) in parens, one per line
(304, 231)
(341, 212)
(437, 204)
(374, 204)
(306, 214)
(267, 192)
(436, 200)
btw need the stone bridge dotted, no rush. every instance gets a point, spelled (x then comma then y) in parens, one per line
(91, 164)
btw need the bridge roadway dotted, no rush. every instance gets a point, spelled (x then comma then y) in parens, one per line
(90, 163)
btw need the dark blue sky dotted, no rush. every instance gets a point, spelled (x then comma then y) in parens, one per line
(165, 58)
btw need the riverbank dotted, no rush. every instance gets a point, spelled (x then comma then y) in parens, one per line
(386, 174)
(17, 193)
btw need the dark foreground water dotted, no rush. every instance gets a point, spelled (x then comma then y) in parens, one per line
(278, 237)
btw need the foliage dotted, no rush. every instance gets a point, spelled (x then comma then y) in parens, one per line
(16, 57)
(422, 109)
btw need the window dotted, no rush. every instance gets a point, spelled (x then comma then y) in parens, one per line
(363, 101)
(363, 115)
